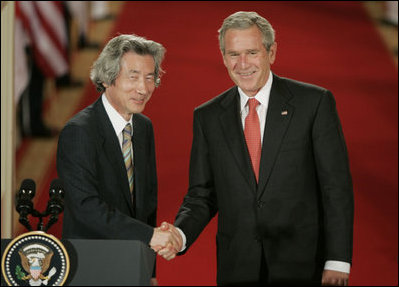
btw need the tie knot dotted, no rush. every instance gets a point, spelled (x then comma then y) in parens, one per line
(253, 103)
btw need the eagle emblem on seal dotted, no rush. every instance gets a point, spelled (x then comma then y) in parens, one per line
(36, 260)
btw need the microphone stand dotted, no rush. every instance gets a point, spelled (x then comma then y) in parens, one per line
(40, 226)
(23, 219)
(53, 219)
(40, 215)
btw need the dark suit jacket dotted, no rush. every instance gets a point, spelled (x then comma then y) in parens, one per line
(97, 196)
(301, 212)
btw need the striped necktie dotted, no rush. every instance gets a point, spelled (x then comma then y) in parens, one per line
(127, 154)
(252, 136)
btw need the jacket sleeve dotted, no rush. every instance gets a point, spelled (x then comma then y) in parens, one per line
(199, 205)
(335, 180)
(153, 183)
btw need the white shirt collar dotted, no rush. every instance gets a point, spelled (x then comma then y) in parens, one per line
(118, 122)
(262, 96)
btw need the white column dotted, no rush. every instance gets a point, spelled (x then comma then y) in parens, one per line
(7, 119)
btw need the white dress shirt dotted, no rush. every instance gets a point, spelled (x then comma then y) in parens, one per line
(117, 121)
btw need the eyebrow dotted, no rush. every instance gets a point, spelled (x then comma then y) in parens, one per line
(238, 52)
(138, 72)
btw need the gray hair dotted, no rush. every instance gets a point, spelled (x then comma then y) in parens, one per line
(107, 66)
(245, 20)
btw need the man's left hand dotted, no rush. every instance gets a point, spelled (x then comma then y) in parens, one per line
(334, 278)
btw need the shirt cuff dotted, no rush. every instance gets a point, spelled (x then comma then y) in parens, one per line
(184, 239)
(337, 266)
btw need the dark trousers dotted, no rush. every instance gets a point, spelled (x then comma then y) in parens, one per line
(263, 276)
(264, 273)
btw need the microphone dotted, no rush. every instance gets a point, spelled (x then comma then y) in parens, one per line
(25, 195)
(55, 205)
(24, 204)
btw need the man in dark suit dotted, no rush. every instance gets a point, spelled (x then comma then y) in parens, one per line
(106, 153)
(269, 157)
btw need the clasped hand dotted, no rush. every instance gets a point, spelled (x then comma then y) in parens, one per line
(166, 241)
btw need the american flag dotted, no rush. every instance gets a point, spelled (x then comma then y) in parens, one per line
(44, 24)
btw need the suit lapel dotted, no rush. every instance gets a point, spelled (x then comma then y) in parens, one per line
(232, 128)
(139, 160)
(278, 117)
(112, 150)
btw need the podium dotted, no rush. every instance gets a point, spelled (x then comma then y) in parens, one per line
(105, 262)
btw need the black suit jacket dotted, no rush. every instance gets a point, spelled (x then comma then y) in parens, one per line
(301, 212)
(97, 196)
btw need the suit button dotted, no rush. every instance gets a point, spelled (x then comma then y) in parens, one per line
(258, 239)
(260, 203)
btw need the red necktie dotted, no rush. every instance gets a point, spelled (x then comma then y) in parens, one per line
(252, 136)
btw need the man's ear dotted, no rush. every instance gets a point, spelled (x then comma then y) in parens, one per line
(224, 59)
(273, 52)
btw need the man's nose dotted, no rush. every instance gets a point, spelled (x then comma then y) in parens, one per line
(141, 87)
(243, 61)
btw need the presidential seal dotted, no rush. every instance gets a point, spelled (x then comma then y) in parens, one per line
(34, 259)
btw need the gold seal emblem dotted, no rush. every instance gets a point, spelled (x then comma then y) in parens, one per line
(35, 258)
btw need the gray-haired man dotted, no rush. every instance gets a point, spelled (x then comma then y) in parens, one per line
(106, 153)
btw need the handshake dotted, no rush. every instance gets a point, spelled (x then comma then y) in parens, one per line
(166, 241)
